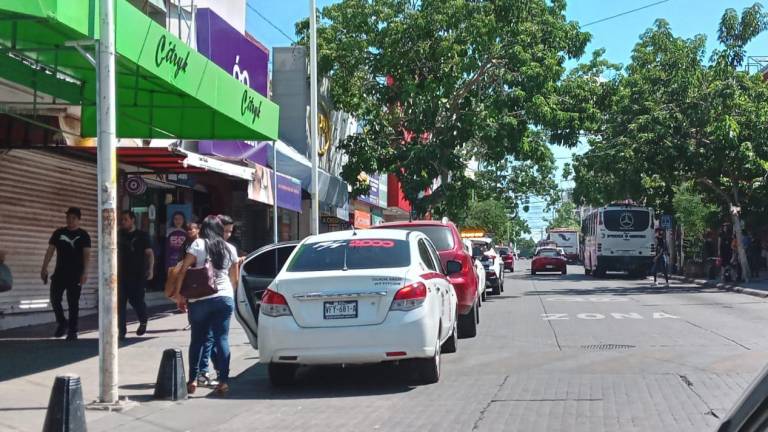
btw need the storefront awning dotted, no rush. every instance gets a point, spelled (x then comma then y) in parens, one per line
(165, 89)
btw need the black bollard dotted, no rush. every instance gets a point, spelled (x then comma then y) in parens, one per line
(171, 380)
(66, 412)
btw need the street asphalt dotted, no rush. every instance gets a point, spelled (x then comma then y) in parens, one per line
(553, 353)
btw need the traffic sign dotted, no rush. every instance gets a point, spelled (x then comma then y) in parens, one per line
(666, 221)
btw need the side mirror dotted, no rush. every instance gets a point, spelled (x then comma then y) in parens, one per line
(452, 267)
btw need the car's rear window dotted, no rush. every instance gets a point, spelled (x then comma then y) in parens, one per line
(355, 254)
(548, 253)
(441, 236)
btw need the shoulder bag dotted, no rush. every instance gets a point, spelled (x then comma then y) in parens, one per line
(199, 281)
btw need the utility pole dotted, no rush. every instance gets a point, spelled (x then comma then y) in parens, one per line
(314, 218)
(274, 186)
(107, 185)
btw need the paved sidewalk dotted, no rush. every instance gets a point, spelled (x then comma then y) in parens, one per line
(31, 359)
(757, 287)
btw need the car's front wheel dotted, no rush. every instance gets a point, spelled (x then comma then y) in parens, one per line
(282, 374)
(468, 324)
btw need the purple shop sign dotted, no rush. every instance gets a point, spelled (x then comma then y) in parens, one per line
(240, 55)
(288, 193)
(254, 151)
(245, 59)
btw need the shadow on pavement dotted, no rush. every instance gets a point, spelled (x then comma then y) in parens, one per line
(621, 291)
(323, 382)
(26, 357)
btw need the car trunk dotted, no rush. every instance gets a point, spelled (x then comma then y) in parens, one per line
(548, 263)
(339, 299)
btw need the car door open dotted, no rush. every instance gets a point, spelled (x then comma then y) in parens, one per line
(257, 272)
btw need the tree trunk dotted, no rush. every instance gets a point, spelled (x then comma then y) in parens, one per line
(745, 273)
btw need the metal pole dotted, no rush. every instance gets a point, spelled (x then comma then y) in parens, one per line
(107, 173)
(314, 218)
(274, 207)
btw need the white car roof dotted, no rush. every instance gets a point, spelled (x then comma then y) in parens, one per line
(390, 234)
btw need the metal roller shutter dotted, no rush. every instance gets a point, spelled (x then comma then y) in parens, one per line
(36, 187)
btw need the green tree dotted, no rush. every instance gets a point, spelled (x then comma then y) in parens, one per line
(565, 217)
(672, 117)
(437, 82)
(694, 214)
(491, 215)
(526, 246)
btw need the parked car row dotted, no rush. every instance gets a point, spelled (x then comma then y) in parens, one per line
(401, 292)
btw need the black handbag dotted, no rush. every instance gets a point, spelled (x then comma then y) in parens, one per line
(199, 281)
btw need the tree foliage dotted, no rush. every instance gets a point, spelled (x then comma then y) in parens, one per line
(491, 215)
(565, 217)
(694, 213)
(671, 116)
(526, 246)
(437, 82)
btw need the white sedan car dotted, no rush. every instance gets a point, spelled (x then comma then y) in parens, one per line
(353, 298)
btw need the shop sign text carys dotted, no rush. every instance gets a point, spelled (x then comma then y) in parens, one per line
(600, 316)
(248, 105)
(165, 52)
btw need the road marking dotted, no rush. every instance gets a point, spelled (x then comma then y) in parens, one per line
(599, 316)
(589, 299)
(632, 315)
(590, 316)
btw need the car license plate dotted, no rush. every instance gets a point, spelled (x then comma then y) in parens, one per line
(340, 309)
(550, 266)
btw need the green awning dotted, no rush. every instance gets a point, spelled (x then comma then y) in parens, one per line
(165, 89)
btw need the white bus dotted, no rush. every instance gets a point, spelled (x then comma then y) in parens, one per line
(568, 240)
(618, 237)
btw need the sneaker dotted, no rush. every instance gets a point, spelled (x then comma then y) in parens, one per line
(72, 336)
(205, 380)
(61, 330)
(142, 329)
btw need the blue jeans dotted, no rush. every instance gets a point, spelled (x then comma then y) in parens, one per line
(658, 264)
(209, 351)
(210, 316)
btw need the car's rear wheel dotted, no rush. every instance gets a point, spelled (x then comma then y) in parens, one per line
(428, 369)
(483, 296)
(449, 346)
(282, 374)
(468, 324)
(587, 271)
(533, 272)
(565, 271)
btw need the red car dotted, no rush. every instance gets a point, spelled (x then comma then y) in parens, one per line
(509, 259)
(445, 236)
(549, 260)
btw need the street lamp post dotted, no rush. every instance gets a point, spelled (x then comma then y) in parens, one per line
(315, 213)
(107, 192)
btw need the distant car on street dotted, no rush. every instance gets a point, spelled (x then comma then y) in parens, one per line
(508, 257)
(549, 260)
(492, 263)
(359, 297)
(447, 239)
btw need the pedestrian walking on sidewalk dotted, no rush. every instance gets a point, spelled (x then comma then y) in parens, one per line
(661, 257)
(212, 313)
(135, 268)
(72, 246)
(726, 253)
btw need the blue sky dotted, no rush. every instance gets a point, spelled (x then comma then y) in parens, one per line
(617, 36)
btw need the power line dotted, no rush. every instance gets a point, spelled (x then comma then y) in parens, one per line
(624, 13)
(270, 23)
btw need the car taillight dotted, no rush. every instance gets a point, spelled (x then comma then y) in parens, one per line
(274, 304)
(409, 297)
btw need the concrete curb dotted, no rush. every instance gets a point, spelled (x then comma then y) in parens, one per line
(722, 286)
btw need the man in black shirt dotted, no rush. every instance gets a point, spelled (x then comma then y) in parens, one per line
(72, 245)
(135, 268)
